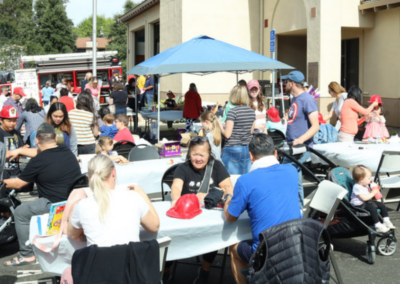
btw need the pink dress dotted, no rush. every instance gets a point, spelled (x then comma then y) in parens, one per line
(376, 128)
(95, 92)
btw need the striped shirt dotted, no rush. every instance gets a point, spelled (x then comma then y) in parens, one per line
(243, 118)
(82, 121)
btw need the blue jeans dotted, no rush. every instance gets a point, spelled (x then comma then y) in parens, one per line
(120, 110)
(303, 159)
(45, 103)
(149, 99)
(236, 159)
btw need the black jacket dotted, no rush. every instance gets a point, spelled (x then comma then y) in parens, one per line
(135, 263)
(83, 84)
(290, 253)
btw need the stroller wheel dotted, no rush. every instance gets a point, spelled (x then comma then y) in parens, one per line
(371, 254)
(387, 246)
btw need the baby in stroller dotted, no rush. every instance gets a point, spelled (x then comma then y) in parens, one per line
(363, 196)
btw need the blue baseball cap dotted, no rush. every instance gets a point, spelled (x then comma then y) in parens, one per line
(295, 76)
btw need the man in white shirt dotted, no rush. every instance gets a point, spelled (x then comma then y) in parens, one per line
(3, 96)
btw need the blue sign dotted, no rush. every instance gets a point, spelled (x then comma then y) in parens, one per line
(272, 35)
(272, 46)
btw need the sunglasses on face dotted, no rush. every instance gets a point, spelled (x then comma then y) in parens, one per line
(199, 138)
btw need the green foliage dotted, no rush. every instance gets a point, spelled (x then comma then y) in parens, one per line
(11, 12)
(85, 28)
(118, 35)
(54, 28)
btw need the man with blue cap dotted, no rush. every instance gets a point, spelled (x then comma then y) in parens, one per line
(302, 121)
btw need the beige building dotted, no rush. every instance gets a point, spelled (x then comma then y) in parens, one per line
(352, 42)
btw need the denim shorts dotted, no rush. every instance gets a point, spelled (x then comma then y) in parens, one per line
(244, 250)
(236, 159)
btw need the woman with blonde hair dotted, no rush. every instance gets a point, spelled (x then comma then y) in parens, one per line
(239, 127)
(212, 131)
(94, 87)
(98, 217)
(339, 93)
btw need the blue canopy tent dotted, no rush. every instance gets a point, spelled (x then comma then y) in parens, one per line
(204, 55)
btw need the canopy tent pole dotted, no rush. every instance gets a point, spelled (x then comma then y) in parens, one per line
(135, 119)
(273, 87)
(237, 77)
(158, 99)
(283, 101)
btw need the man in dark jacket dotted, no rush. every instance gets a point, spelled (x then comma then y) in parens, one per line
(268, 193)
(87, 79)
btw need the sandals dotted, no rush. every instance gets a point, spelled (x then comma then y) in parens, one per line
(21, 262)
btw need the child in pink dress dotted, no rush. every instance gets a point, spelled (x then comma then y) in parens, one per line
(376, 126)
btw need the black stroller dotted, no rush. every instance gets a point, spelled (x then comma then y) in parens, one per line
(349, 221)
(8, 203)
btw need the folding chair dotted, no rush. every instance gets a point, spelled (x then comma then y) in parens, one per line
(123, 148)
(164, 244)
(390, 161)
(167, 179)
(80, 182)
(142, 153)
(326, 200)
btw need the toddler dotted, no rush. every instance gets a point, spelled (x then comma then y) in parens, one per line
(363, 196)
(104, 147)
(376, 127)
(171, 105)
(108, 129)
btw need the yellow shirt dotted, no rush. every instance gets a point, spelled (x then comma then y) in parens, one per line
(141, 81)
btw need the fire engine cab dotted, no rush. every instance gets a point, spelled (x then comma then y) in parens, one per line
(73, 67)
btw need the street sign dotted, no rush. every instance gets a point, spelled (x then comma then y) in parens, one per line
(272, 46)
(272, 41)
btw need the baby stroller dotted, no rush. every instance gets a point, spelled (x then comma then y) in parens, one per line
(8, 203)
(349, 221)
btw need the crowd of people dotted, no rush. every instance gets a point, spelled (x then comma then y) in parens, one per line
(237, 143)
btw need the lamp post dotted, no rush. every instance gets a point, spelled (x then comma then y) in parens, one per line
(94, 38)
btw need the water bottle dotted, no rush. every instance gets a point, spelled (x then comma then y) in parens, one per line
(286, 147)
(192, 129)
(377, 139)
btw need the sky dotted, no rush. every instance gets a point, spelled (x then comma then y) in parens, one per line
(78, 10)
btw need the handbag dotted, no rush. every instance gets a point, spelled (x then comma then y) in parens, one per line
(205, 183)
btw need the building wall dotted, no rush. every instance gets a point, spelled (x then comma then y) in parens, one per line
(142, 21)
(382, 62)
(236, 22)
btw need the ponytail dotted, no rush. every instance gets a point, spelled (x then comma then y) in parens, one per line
(100, 168)
(103, 141)
(208, 115)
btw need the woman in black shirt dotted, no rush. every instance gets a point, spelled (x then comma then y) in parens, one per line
(188, 177)
(119, 98)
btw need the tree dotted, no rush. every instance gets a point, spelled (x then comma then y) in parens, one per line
(85, 28)
(10, 14)
(118, 35)
(54, 28)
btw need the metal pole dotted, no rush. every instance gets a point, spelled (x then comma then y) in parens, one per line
(135, 118)
(158, 99)
(273, 82)
(283, 101)
(237, 77)
(94, 38)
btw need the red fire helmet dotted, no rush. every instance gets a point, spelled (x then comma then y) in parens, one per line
(375, 98)
(9, 112)
(187, 207)
(321, 119)
(273, 114)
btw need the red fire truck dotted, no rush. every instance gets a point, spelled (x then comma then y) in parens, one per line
(74, 66)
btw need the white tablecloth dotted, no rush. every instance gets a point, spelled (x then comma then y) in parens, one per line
(169, 115)
(349, 154)
(205, 233)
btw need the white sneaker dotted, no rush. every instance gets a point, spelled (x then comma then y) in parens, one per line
(382, 229)
(389, 225)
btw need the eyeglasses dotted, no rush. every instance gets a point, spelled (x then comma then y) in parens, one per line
(199, 138)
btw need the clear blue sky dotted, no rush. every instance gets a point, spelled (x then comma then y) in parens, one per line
(78, 10)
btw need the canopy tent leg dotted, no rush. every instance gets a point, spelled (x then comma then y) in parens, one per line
(158, 104)
(237, 77)
(273, 87)
(135, 117)
(283, 101)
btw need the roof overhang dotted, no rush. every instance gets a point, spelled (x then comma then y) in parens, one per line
(378, 5)
(139, 9)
